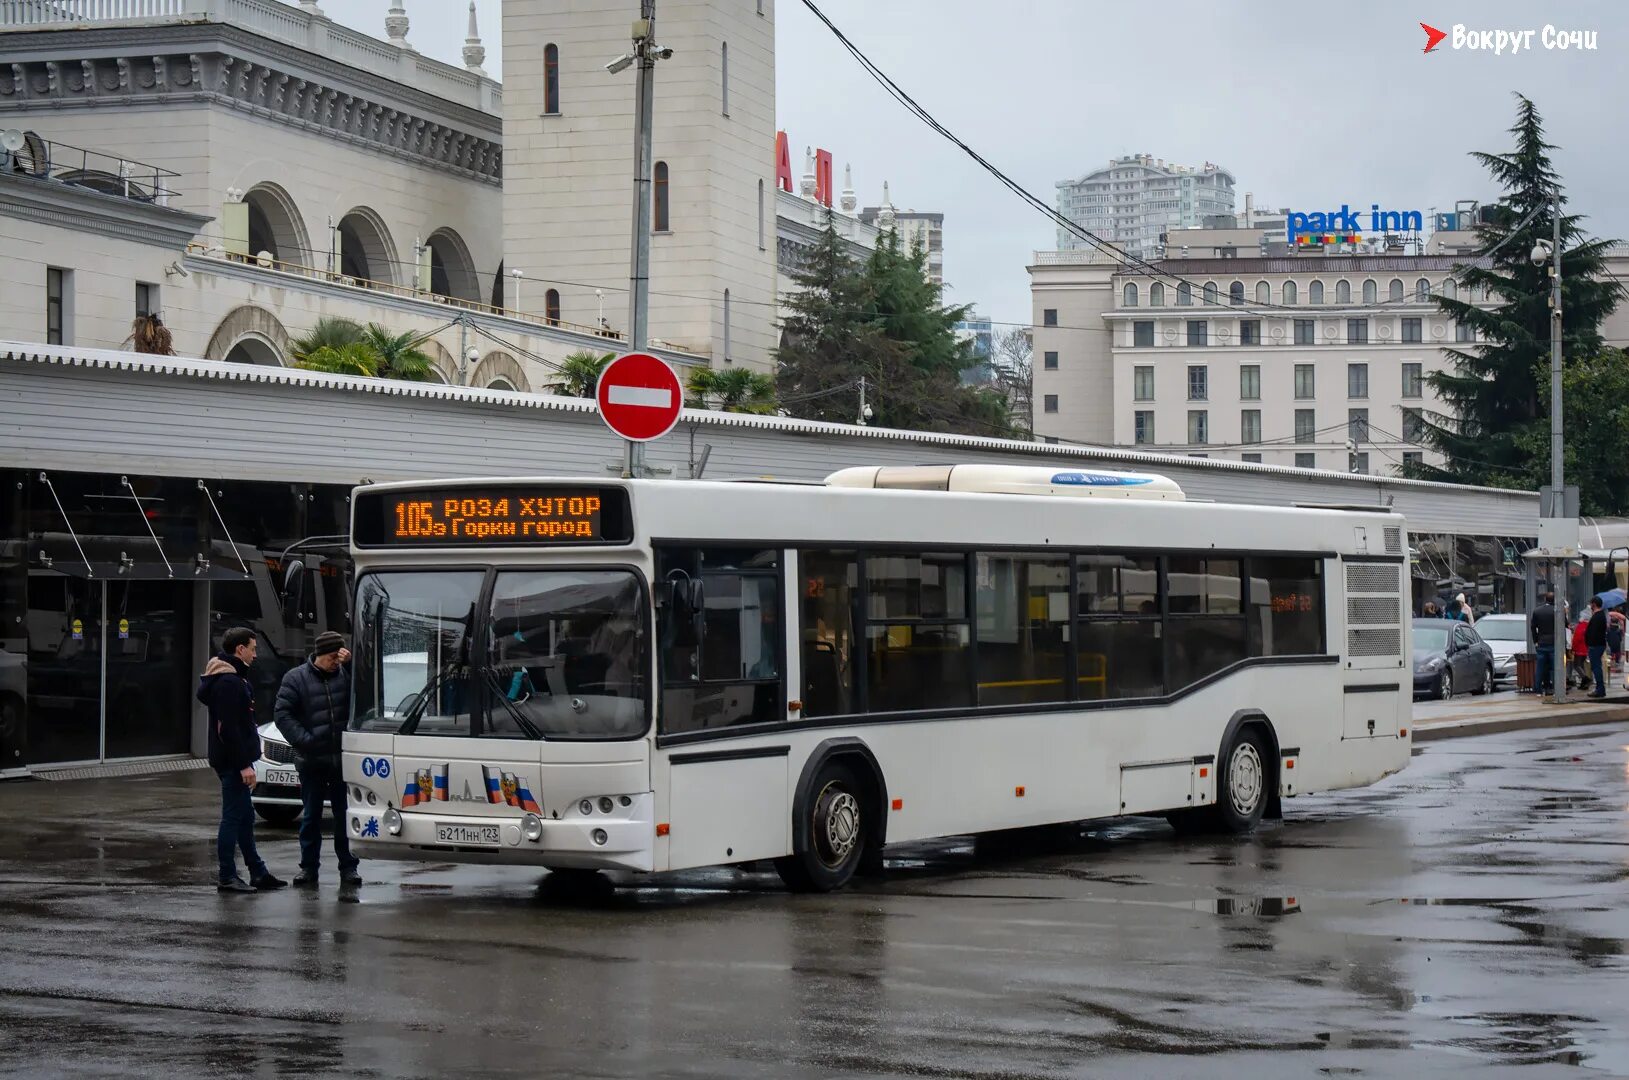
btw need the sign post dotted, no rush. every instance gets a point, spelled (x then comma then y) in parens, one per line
(640, 398)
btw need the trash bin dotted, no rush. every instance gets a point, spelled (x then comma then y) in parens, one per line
(1526, 672)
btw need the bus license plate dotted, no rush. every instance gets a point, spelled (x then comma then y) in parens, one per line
(284, 777)
(467, 834)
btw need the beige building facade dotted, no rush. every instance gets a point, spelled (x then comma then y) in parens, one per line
(568, 137)
(1313, 362)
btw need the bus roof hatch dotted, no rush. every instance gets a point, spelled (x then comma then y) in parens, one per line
(1011, 480)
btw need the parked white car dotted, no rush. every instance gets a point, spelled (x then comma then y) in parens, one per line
(1506, 635)
(277, 783)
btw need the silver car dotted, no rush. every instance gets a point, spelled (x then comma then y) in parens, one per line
(1506, 635)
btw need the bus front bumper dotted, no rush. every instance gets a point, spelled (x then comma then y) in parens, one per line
(569, 842)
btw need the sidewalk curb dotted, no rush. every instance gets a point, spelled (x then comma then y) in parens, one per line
(1557, 717)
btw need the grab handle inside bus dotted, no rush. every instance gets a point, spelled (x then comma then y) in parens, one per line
(686, 602)
(294, 592)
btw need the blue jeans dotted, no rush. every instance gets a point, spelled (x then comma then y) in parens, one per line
(1595, 669)
(1544, 677)
(318, 786)
(237, 829)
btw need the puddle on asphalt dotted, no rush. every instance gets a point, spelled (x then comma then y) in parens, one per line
(1524, 1038)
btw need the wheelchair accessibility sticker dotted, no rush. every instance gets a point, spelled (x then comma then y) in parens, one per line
(379, 767)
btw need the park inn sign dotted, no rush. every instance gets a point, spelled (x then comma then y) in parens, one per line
(1346, 224)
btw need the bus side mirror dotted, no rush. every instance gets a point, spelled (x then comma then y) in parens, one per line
(294, 593)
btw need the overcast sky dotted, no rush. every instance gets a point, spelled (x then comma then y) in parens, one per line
(1307, 110)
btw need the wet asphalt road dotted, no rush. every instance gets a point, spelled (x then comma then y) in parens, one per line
(1465, 918)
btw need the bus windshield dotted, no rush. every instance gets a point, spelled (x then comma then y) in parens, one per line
(559, 654)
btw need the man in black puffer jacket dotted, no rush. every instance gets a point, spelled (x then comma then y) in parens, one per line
(313, 705)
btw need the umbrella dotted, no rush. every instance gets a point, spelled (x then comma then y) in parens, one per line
(1612, 598)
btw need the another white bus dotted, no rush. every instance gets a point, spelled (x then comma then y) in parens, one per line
(653, 675)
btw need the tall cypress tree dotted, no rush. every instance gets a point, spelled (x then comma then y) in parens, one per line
(883, 320)
(1498, 389)
(828, 339)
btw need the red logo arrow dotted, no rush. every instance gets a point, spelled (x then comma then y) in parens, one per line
(1432, 36)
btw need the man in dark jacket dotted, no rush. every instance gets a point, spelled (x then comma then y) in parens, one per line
(1595, 641)
(1542, 621)
(234, 747)
(313, 705)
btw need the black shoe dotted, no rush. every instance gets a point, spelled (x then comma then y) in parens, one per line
(350, 878)
(1597, 695)
(267, 882)
(237, 884)
(307, 879)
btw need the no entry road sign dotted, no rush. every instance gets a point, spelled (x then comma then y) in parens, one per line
(640, 397)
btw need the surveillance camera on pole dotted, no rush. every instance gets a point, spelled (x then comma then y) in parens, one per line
(1540, 253)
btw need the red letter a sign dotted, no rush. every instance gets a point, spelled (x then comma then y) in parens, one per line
(783, 164)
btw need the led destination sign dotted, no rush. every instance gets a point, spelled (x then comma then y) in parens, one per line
(492, 514)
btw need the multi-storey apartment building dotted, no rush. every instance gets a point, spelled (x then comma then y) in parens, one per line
(1132, 200)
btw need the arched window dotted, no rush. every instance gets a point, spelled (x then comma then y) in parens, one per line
(1184, 295)
(1264, 293)
(1210, 293)
(1289, 293)
(1396, 290)
(1156, 295)
(1128, 295)
(1422, 291)
(659, 222)
(1343, 291)
(1371, 291)
(551, 307)
(551, 79)
(1315, 293)
(1450, 291)
(1235, 293)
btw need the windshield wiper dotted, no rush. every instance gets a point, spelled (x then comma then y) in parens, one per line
(525, 725)
(416, 712)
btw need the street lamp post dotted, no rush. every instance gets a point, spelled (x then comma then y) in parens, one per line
(642, 59)
(1552, 255)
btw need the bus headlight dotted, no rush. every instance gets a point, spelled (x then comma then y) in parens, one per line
(606, 805)
(585, 807)
(599, 836)
(393, 821)
(532, 826)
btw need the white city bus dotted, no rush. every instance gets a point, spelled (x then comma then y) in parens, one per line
(652, 675)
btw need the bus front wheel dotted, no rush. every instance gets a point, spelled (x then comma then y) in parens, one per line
(829, 842)
(1242, 782)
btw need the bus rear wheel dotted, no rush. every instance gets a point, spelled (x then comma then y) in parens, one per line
(830, 843)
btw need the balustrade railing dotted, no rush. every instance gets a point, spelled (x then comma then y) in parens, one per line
(273, 19)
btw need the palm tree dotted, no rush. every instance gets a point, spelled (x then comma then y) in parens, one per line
(399, 358)
(579, 374)
(734, 389)
(355, 358)
(329, 331)
(148, 334)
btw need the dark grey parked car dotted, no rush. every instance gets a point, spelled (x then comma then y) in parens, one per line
(1449, 658)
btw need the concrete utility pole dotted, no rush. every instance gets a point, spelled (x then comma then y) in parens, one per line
(643, 58)
(1557, 480)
